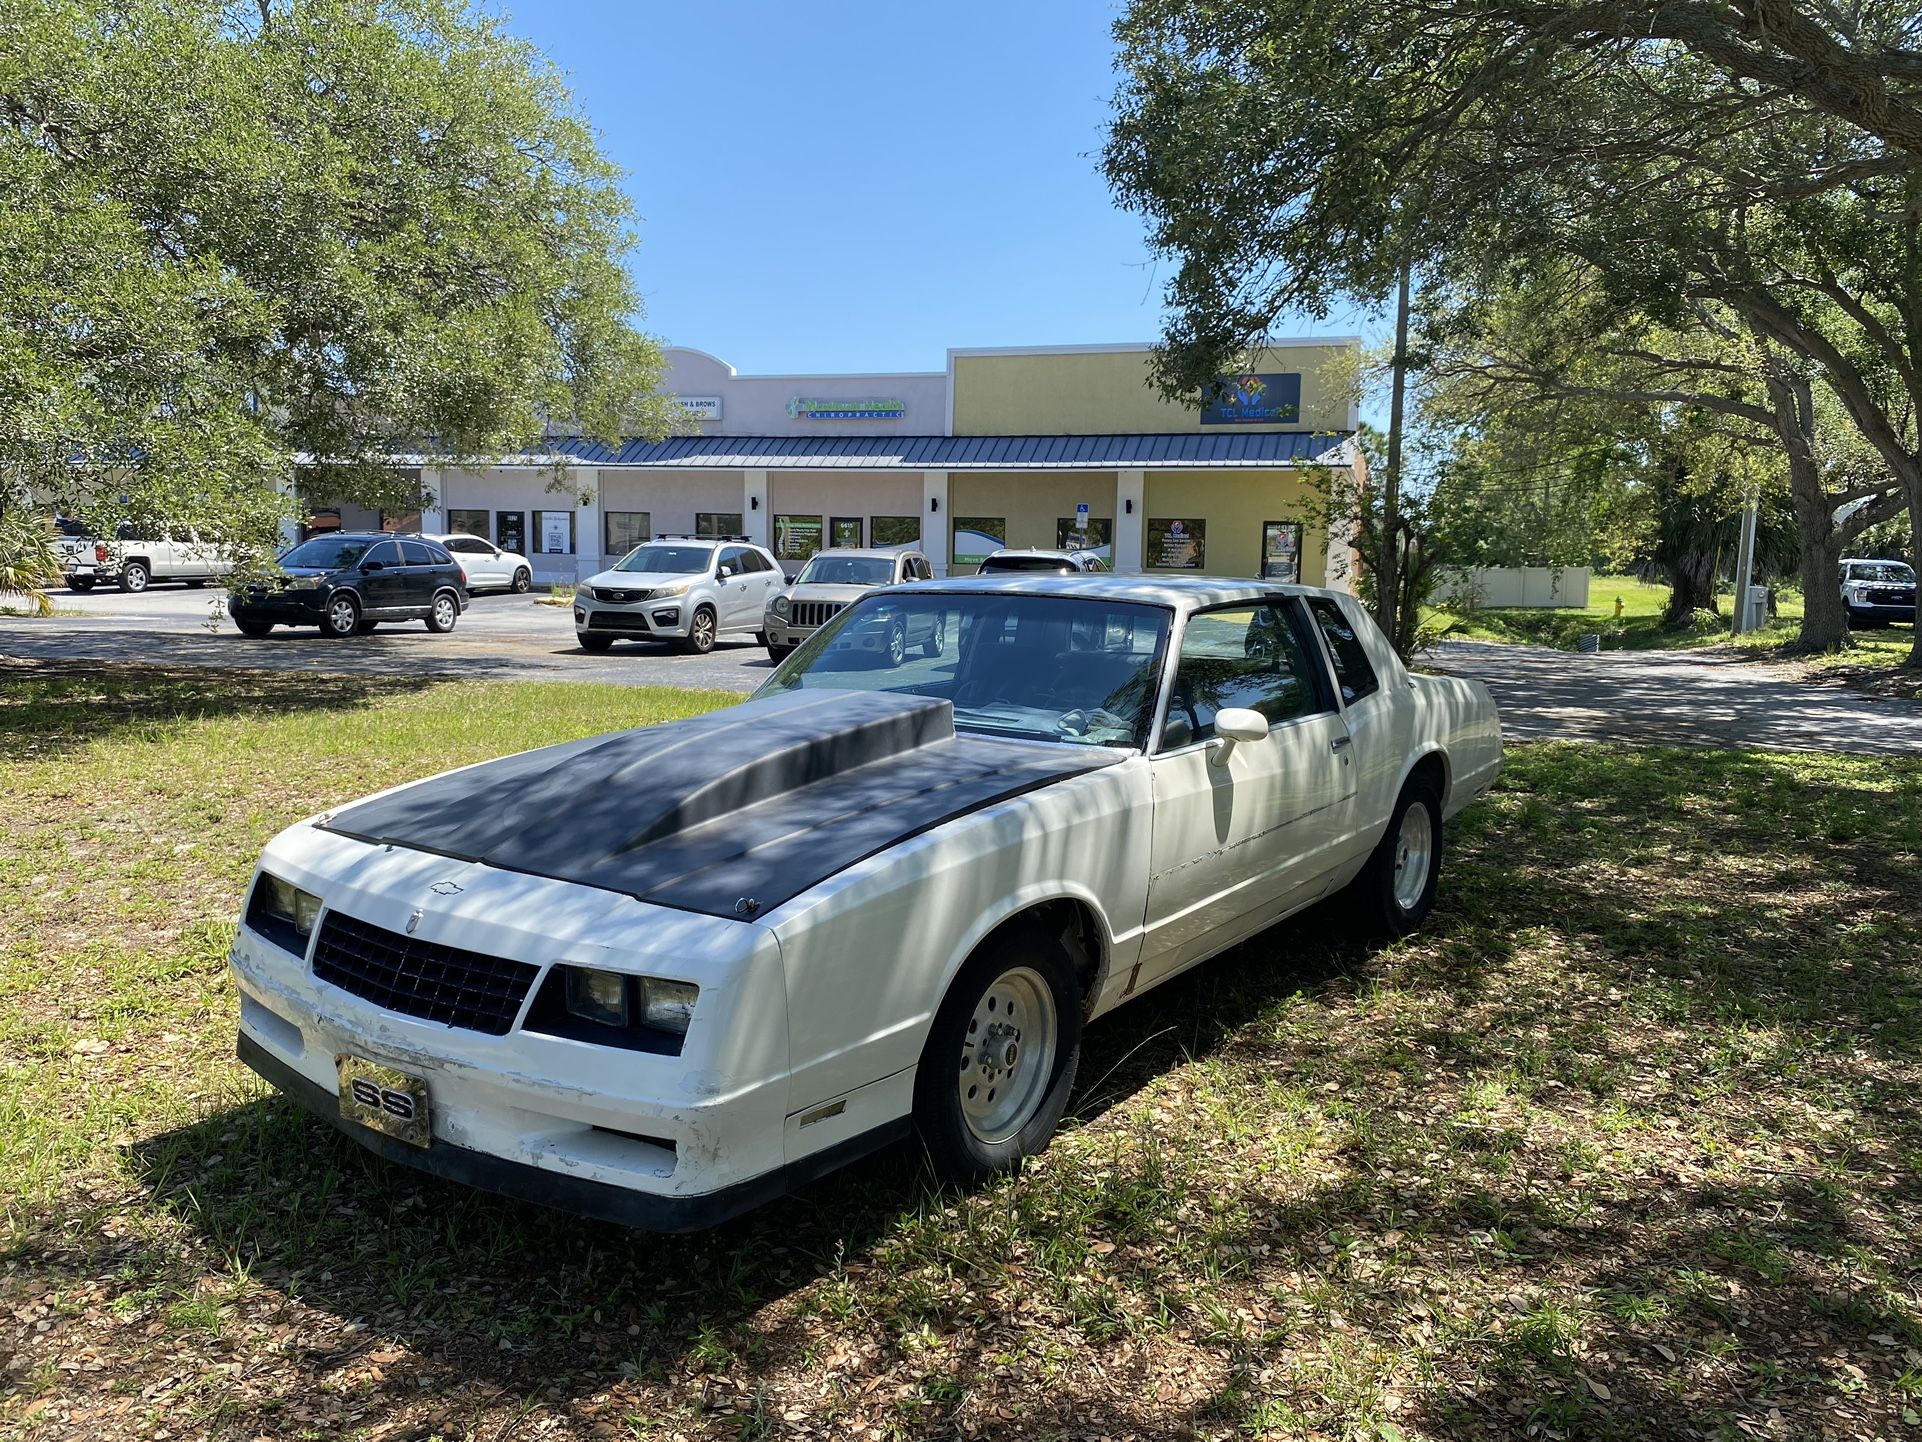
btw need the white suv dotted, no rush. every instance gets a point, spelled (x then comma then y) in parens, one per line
(677, 589)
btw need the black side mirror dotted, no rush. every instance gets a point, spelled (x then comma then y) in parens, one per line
(373, 565)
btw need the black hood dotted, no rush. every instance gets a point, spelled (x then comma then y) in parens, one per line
(731, 813)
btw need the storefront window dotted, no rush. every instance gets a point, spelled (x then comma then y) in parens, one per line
(1097, 537)
(556, 532)
(978, 537)
(467, 523)
(895, 530)
(510, 531)
(1176, 544)
(796, 537)
(846, 531)
(713, 525)
(624, 530)
(1281, 551)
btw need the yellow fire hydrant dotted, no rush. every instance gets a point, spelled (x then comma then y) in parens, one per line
(1618, 608)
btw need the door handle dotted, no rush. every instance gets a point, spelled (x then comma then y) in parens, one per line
(1341, 743)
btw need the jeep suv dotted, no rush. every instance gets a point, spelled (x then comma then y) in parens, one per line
(1060, 563)
(832, 580)
(680, 589)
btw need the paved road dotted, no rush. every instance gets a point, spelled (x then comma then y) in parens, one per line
(1658, 698)
(497, 637)
(1641, 697)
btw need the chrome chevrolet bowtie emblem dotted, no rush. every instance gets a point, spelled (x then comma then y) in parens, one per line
(446, 888)
(413, 922)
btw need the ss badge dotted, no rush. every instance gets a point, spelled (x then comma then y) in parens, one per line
(377, 1096)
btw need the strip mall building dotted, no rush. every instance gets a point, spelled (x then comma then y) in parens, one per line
(1031, 446)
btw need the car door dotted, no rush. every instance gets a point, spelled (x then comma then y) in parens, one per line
(425, 573)
(382, 582)
(735, 589)
(1381, 729)
(768, 580)
(1238, 844)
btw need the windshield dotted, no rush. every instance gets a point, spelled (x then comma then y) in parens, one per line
(1027, 563)
(1885, 571)
(70, 528)
(1043, 668)
(327, 553)
(671, 560)
(825, 568)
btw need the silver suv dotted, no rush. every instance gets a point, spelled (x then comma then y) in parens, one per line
(834, 578)
(677, 588)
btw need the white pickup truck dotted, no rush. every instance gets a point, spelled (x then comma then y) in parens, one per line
(133, 562)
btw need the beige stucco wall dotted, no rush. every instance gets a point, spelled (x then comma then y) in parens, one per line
(1236, 504)
(1031, 502)
(846, 493)
(1107, 393)
(671, 497)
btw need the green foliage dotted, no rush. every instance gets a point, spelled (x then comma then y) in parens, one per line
(240, 236)
(28, 565)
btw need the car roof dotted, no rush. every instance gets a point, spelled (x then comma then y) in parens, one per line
(1874, 561)
(1183, 593)
(879, 553)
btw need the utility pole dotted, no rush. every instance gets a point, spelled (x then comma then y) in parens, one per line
(1388, 553)
(1745, 563)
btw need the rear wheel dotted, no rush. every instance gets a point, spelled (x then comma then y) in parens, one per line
(134, 577)
(342, 618)
(701, 631)
(590, 642)
(1000, 1058)
(442, 615)
(523, 581)
(196, 582)
(1396, 889)
(255, 629)
(82, 584)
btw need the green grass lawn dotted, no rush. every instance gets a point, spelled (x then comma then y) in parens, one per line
(1624, 1145)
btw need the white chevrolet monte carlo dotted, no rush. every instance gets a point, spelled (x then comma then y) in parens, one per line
(662, 975)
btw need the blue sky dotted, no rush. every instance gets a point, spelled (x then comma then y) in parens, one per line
(857, 185)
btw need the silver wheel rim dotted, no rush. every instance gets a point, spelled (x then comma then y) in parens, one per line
(443, 613)
(522, 581)
(342, 616)
(1414, 852)
(1007, 1056)
(136, 579)
(703, 630)
(897, 644)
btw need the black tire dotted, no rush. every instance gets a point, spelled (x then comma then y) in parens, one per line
(82, 584)
(523, 581)
(932, 646)
(365, 628)
(701, 631)
(196, 583)
(897, 651)
(956, 1148)
(760, 638)
(1384, 906)
(590, 642)
(342, 617)
(778, 654)
(256, 629)
(443, 611)
(135, 577)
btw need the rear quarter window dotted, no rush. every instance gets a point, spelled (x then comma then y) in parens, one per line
(1353, 673)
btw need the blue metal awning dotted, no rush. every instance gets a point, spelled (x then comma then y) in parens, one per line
(1239, 450)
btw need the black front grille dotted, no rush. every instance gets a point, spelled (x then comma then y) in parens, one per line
(817, 613)
(421, 978)
(1891, 596)
(619, 598)
(617, 621)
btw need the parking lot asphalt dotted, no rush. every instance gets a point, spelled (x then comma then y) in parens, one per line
(498, 637)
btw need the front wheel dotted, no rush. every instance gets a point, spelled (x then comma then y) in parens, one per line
(701, 631)
(778, 654)
(442, 615)
(134, 577)
(523, 581)
(342, 618)
(1000, 1058)
(897, 643)
(590, 642)
(1396, 889)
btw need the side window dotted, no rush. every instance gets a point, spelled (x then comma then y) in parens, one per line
(922, 570)
(384, 553)
(756, 561)
(416, 553)
(731, 557)
(1352, 671)
(467, 545)
(1251, 656)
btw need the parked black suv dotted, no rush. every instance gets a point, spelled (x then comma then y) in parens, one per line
(347, 583)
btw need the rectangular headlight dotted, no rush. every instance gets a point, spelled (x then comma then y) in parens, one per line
(599, 996)
(287, 902)
(668, 1005)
